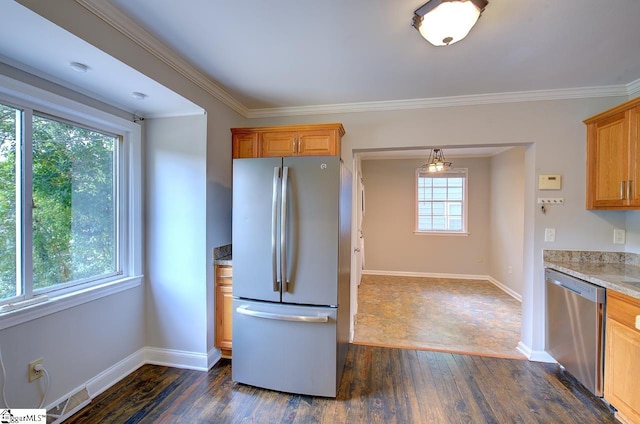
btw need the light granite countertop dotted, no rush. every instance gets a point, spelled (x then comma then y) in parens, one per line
(617, 271)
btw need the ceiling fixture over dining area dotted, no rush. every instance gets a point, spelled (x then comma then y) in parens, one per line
(444, 22)
(437, 162)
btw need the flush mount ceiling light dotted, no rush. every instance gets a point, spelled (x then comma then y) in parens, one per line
(437, 162)
(444, 22)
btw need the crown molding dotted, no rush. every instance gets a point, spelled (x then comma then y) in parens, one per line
(129, 28)
(438, 102)
(633, 88)
(113, 16)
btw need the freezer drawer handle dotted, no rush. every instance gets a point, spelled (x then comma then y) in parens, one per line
(244, 310)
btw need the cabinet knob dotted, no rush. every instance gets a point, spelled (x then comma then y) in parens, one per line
(638, 322)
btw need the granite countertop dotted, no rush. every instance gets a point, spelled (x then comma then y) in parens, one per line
(225, 260)
(617, 271)
(222, 255)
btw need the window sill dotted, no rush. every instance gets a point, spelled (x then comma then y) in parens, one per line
(60, 303)
(441, 233)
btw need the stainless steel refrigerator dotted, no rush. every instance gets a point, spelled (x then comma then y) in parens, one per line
(291, 268)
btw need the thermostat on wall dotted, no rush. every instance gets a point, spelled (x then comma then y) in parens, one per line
(549, 182)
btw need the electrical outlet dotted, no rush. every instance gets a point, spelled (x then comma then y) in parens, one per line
(33, 374)
(550, 235)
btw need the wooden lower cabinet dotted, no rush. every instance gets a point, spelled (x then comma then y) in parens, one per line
(224, 308)
(622, 356)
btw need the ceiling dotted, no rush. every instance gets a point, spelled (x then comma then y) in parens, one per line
(287, 54)
(287, 57)
(296, 53)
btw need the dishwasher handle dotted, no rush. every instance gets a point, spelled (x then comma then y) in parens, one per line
(558, 283)
(580, 287)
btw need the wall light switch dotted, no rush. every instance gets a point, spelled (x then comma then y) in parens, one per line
(619, 236)
(550, 235)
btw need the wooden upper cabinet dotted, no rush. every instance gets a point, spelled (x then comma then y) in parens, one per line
(613, 176)
(245, 145)
(278, 143)
(292, 140)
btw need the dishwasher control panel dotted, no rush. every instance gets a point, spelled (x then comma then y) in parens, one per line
(580, 287)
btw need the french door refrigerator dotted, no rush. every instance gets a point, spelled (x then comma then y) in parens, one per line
(291, 268)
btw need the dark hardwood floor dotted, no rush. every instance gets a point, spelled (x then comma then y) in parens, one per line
(379, 385)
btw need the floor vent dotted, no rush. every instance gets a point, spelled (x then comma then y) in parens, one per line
(68, 407)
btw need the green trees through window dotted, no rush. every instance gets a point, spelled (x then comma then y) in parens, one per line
(74, 192)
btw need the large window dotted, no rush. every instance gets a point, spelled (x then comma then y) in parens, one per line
(441, 201)
(69, 203)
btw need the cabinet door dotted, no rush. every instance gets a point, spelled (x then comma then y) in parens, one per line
(317, 143)
(224, 312)
(282, 143)
(621, 383)
(245, 145)
(608, 153)
(634, 167)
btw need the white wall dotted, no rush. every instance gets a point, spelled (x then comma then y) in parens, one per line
(175, 184)
(191, 159)
(507, 219)
(389, 222)
(77, 344)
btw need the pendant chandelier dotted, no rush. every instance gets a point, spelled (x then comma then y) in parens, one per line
(437, 161)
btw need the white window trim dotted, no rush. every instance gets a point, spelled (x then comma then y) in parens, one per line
(17, 93)
(465, 203)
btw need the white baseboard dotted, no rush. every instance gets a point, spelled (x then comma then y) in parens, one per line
(424, 274)
(505, 289)
(177, 358)
(146, 355)
(492, 280)
(535, 355)
(115, 373)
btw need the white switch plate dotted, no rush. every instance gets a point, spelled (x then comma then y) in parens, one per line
(619, 236)
(550, 235)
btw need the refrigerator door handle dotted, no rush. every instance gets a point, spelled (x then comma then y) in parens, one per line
(283, 229)
(274, 230)
(244, 310)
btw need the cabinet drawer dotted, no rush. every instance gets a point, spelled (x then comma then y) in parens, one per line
(622, 308)
(224, 274)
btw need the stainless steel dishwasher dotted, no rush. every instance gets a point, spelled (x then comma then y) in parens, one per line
(575, 327)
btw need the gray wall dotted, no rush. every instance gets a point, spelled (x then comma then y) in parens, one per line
(507, 219)
(556, 135)
(389, 222)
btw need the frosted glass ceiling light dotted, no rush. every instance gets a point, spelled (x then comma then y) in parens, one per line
(444, 22)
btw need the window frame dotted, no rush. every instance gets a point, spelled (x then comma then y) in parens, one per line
(451, 173)
(35, 100)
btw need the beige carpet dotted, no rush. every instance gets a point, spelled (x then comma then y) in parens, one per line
(450, 315)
